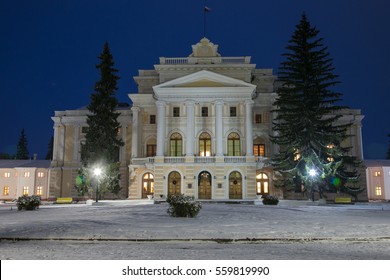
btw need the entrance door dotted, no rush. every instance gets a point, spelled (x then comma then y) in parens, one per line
(204, 185)
(174, 183)
(235, 185)
(147, 185)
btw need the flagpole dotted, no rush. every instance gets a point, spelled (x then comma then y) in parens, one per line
(204, 19)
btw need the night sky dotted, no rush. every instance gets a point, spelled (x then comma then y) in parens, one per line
(49, 50)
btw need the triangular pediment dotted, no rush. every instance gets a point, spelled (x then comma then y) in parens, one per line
(204, 79)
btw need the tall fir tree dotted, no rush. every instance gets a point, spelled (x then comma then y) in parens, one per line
(22, 149)
(306, 126)
(49, 154)
(102, 143)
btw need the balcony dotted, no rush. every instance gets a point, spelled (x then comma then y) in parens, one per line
(260, 161)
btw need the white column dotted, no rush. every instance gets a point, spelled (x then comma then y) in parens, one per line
(160, 128)
(249, 127)
(218, 127)
(122, 155)
(76, 143)
(190, 127)
(135, 134)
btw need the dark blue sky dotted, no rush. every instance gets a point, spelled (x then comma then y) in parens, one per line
(49, 50)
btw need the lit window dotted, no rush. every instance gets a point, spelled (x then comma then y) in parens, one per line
(234, 144)
(259, 150)
(258, 118)
(41, 174)
(377, 173)
(6, 190)
(39, 190)
(205, 145)
(262, 184)
(25, 190)
(233, 111)
(176, 145)
(330, 158)
(176, 111)
(378, 191)
(152, 119)
(7, 174)
(297, 155)
(205, 111)
(26, 174)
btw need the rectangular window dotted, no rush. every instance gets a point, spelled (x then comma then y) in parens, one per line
(152, 119)
(41, 174)
(259, 150)
(378, 191)
(6, 190)
(151, 150)
(233, 111)
(25, 190)
(258, 118)
(7, 174)
(39, 190)
(176, 111)
(205, 111)
(377, 173)
(26, 174)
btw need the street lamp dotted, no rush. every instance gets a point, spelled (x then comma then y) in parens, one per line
(312, 172)
(97, 171)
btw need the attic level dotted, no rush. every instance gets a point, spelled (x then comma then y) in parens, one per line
(204, 52)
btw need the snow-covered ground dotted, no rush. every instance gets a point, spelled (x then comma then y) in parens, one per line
(129, 230)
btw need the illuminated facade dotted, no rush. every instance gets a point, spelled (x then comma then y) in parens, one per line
(24, 177)
(198, 125)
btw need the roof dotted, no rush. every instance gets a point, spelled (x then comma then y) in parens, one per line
(14, 163)
(377, 162)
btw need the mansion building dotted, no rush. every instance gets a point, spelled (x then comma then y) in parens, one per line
(198, 125)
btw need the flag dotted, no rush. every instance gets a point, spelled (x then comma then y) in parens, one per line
(207, 9)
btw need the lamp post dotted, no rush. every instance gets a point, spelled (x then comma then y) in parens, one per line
(97, 171)
(312, 174)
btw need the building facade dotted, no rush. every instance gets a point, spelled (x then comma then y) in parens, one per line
(24, 177)
(198, 125)
(378, 179)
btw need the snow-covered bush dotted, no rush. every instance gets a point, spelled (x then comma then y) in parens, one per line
(183, 206)
(28, 202)
(270, 200)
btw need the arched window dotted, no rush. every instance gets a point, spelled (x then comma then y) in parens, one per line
(262, 183)
(147, 185)
(205, 145)
(234, 144)
(176, 145)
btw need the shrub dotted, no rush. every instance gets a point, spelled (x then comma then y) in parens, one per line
(183, 206)
(28, 202)
(270, 200)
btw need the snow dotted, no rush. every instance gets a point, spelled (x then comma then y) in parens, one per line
(151, 233)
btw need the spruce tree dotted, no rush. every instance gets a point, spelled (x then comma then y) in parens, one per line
(49, 154)
(22, 149)
(306, 126)
(102, 143)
